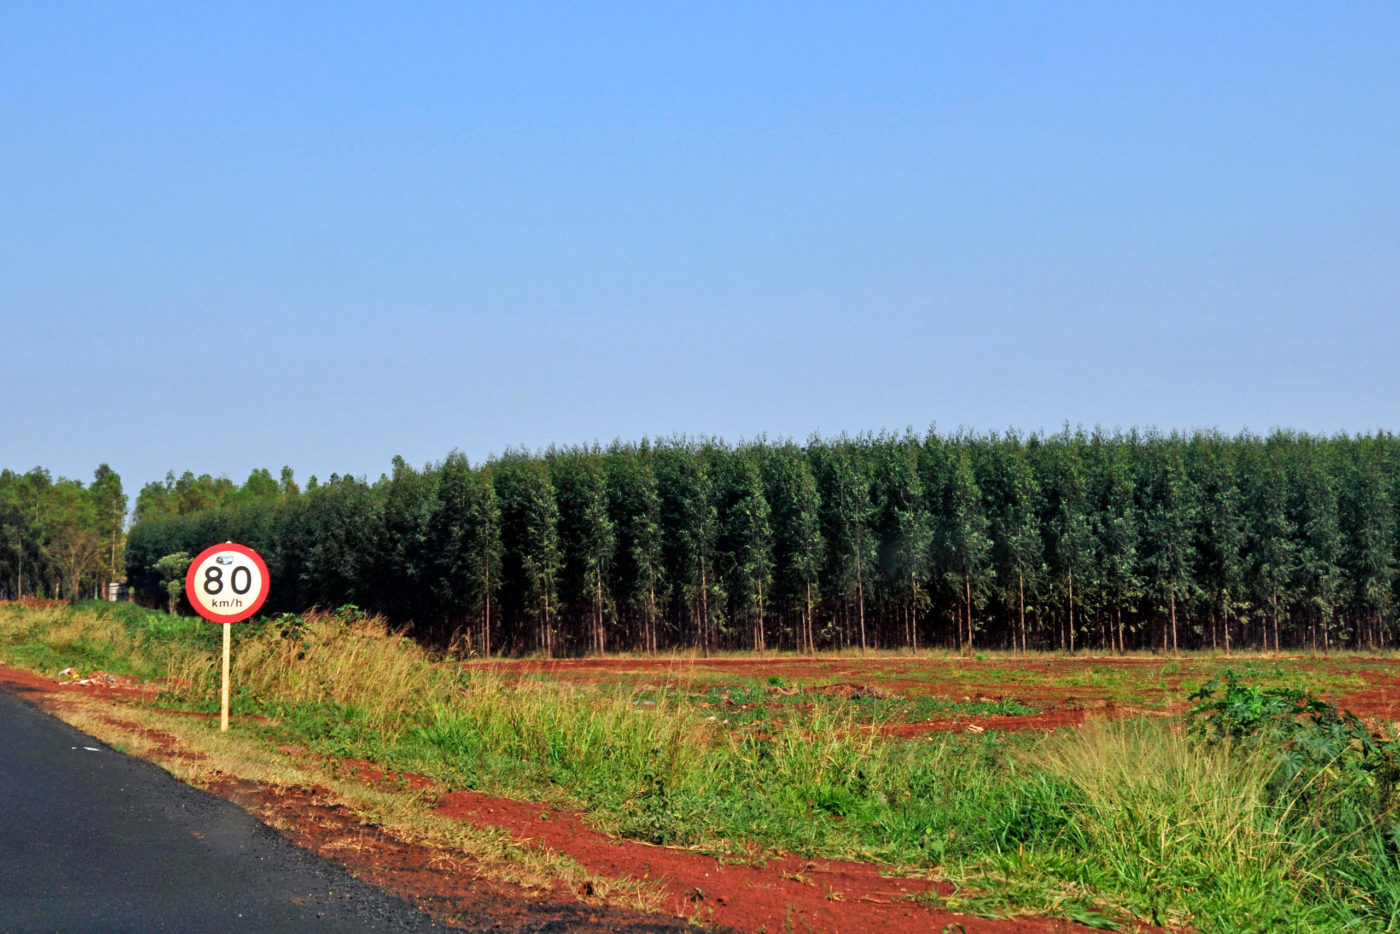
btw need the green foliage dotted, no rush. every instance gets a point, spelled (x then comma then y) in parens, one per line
(171, 569)
(530, 536)
(59, 539)
(1331, 768)
(464, 532)
(1068, 540)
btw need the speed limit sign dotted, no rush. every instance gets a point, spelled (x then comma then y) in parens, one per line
(227, 583)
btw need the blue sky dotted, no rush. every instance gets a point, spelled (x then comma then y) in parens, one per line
(321, 236)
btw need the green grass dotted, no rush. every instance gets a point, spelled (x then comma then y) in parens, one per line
(1137, 819)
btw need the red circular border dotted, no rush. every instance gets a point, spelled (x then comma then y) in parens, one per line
(241, 614)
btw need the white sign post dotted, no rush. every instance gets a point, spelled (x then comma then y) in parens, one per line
(226, 584)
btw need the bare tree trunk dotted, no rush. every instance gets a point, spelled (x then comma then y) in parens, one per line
(759, 642)
(914, 616)
(860, 597)
(1022, 581)
(487, 639)
(1071, 611)
(704, 611)
(651, 618)
(602, 631)
(807, 620)
(967, 593)
(1173, 601)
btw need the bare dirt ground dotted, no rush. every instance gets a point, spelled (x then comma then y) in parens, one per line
(778, 894)
(1066, 691)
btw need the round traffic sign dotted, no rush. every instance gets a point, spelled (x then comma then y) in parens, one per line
(227, 583)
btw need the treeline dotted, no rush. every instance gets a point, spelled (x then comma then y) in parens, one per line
(1114, 541)
(58, 538)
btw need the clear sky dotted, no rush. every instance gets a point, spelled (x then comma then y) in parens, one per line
(324, 234)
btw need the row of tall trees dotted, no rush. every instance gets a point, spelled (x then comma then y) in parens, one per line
(60, 539)
(1064, 541)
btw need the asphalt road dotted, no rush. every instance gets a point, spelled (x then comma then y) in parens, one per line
(93, 840)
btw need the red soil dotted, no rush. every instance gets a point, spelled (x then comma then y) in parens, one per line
(1380, 703)
(1030, 680)
(782, 893)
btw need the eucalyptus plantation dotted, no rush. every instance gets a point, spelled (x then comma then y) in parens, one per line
(638, 578)
(1368, 528)
(1314, 515)
(798, 547)
(965, 544)
(689, 515)
(844, 491)
(744, 544)
(586, 536)
(1116, 541)
(904, 530)
(1219, 536)
(404, 573)
(1170, 510)
(530, 540)
(1018, 551)
(1116, 533)
(1069, 537)
(1271, 545)
(465, 537)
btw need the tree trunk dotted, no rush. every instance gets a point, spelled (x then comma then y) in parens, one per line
(1173, 601)
(807, 620)
(1227, 632)
(1022, 581)
(860, 597)
(651, 618)
(967, 593)
(704, 611)
(1071, 611)
(759, 642)
(487, 633)
(914, 614)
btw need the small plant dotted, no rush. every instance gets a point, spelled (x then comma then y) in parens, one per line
(1330, 774)
(1230, 708)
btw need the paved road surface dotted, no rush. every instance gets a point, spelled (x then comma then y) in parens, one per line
(92, 840)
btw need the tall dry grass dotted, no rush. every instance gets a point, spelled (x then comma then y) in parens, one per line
(1184, 831)
(379, 678)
